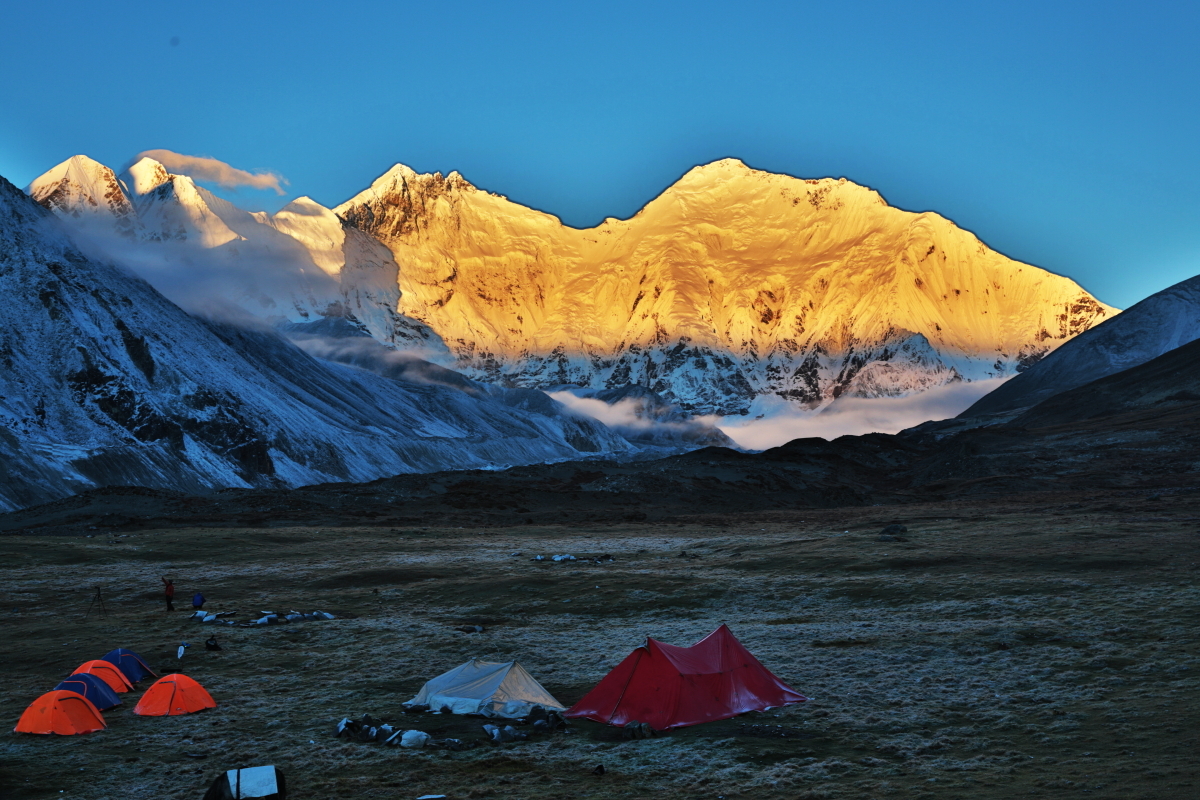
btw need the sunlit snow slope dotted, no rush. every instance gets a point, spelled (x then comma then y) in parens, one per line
(301, 264)
(104, 381)
(734, 283)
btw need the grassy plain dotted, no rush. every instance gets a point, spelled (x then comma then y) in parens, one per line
(1041, 646)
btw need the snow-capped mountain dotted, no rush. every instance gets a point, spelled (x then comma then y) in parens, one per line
(298, 265)
(732, 284)
(90, 193)
(1162, 322)
(105, 381)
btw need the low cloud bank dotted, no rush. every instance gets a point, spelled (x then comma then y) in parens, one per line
(410, 364)
(199, 280)
(781, 422)
(215, 171)
(635, 420)
(622, 414)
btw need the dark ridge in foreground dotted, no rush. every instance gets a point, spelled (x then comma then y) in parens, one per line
(1137, 429)
(1153, 327)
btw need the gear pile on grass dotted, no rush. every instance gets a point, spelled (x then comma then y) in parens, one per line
(367, 728)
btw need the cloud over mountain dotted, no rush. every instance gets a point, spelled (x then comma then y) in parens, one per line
(203, 168)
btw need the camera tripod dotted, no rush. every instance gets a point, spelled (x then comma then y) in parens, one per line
(97, 604)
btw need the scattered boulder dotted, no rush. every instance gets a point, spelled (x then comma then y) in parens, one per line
(893, 533)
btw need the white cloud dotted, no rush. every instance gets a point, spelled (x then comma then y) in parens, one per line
(622, 414)
(630, 418)
(782, 422)
(210, 169)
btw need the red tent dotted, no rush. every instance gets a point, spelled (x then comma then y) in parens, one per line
(670, 687)
(174, 694)
(62, 712)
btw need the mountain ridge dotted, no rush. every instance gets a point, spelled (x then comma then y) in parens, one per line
(496, 281)
(105, 382)
(1162, 322)
(731, 292)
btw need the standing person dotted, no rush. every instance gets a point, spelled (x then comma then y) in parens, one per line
(197, 601)
(169, 592)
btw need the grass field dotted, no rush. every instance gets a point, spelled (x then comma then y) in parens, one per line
(1042, 646)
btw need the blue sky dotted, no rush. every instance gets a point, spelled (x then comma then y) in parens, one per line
(1063, 134)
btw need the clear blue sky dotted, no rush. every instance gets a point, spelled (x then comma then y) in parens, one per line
(1063, 134)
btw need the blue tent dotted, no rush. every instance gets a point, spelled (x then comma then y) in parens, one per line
(130, 664)
(93, 688)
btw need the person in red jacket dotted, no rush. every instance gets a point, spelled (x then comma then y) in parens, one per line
(169, 589)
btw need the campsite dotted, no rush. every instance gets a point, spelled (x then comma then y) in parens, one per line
(1000, 648)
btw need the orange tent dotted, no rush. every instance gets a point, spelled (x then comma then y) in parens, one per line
(174, 694)
(107, 672)
(62, 712)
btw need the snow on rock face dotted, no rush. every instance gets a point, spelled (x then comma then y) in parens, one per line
(104, 381)
(317, 228)
(734, 283)
(298, 265)
(178, 210)
(87, 190)
(1160, 323)
(145, 176)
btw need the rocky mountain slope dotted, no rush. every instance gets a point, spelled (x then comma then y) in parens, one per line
(1137, 441)
(1160, 323)
(104, 381)
(298, 265)
(732, 289)
(731, 285)
(1172, 379)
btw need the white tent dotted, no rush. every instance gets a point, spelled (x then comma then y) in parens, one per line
(488, 688)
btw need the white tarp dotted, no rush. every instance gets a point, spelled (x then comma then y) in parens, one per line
(486, 687)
